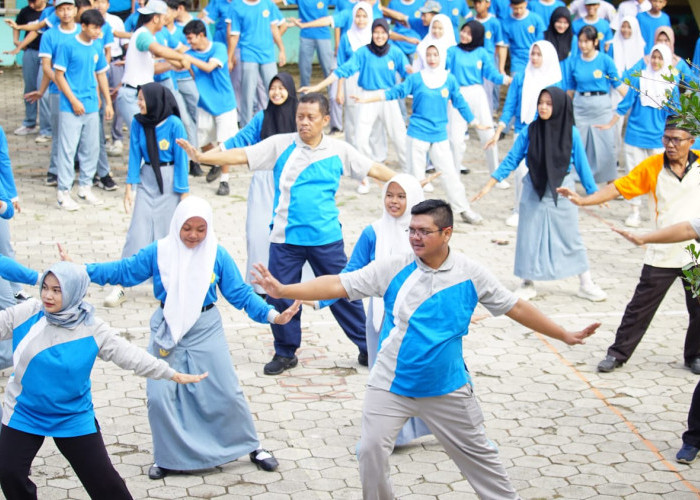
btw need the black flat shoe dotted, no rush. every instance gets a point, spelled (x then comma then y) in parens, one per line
(363, 359)
(279, 364)
(155, 472)
(264, 460)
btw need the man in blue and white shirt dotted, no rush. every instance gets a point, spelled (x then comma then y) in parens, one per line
(429, 299)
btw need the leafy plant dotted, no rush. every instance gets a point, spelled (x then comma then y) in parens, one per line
(691, 271)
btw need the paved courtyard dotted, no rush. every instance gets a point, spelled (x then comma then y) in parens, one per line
(563, 430)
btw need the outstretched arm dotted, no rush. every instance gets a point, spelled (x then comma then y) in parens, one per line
(529, 316)
(608, 193)
(682, 231)
(322, 288)
(215, 156)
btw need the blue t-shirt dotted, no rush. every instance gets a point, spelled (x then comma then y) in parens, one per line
(413, 14)
(252, 22)
(80, 61)
(248, 135)
(376, 73)
(458, 11)
(543, 10)
(470, 68)
(513, 103)
(106, 37)
(131, 21)
(596, 75)
(500, 9)
(218, 11)
(429, 119)
(310, 10)
(163, 37)
(519, 35)
(605, 34)
(49, 15)
(168, 152)
(50, 41)
(119, 6)
(648, 25)
(493, 33)
(215, 90)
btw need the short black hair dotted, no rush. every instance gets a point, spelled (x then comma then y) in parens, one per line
(184, 3)
(317, 97)
(517, 2)
(194, 27)
(93, 17)
(589, 32)
(439, 210)
(82, 3)
(144, 19)
(173, 4)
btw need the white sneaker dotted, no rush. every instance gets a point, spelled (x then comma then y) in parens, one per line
(513, 219)
(593, 293)
(26, 130)
(363, 186)
(469, 216)
(85, 193)
(41, 139)
(525, 292)
(66, 202)
(633, 220)
(115, 297)
(503, 185)
(115, 149)
(429, 188)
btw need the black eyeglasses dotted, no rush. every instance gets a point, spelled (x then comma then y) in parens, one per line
(676, 141)
(424, 232)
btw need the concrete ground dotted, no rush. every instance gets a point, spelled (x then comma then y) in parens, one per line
(563, 430)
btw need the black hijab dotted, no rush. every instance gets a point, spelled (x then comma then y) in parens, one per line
(160, 104)
(551, 141)
(281, 118)
(477, 30)
(373, 47)
(561, 41)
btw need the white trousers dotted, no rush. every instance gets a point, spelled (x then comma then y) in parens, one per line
(387, 114)
(633, 157)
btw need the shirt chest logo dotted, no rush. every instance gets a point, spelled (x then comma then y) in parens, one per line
(488, 35)
(163, 144)
(444, 93)
(266, 13)
(479, 64)
(319, 5)
(597, 74)
(95, 58)
(531, 29)
(390, 65)
(600, 36)
(416, 14)
(455, 12)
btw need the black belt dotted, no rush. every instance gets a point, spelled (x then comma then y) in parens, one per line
(205, 308)
(166, 164)
(118, 58)
(129, 86)
(589, 94)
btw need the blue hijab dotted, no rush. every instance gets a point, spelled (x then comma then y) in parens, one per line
(74, 282)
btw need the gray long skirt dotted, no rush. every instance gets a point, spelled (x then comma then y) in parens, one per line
(199, 426)
(599, 144)
(549, 245)
(152, 210)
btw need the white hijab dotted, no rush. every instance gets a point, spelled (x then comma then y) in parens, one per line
(186, 273)
(443, 43)
(391, 232)
(436, 77)
(536, 79)
(356, 36)
(628, 51)
(652, 85)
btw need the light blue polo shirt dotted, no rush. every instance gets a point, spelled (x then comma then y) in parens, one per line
(519, 35)
(50, 41)
(80, 61)
(310, 10)
(306, 182)
(215, 90)
(376, 73)
(252, 20)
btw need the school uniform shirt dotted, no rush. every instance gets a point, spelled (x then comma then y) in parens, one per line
(49, 15)
(168, 151)
(470, 68)
(519, 150)
(428, 122)
(500, 9)
(410, 9)
(310, 10)
(376, 73)
(519, 35)
(106, 37)
(178, 39)
(671, 200)
(80, 61)
(218, 12)
(252, 22)
(493, 33)
(306, 181)
(119, 5)
(27, 15)
(164, 38)
(648, 24)
(12, 270)
(50, 41)
(427, 312)
(544, 10)
(48, 393)
(215, 90)
(250, 134)
(596, 75)
(458, 11)
(605, 34)
(131, 21)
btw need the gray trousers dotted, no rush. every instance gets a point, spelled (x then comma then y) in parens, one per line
(456, 421)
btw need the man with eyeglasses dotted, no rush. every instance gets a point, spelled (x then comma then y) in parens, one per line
(429, 299)
(671, 180)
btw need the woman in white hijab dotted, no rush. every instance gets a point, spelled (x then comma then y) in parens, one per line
(441, 34)
(541, 71)
(209, 424)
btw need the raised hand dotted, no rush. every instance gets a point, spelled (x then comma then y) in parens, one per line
(579, 337)
(267, 281)
(286, 316)
(188, 378)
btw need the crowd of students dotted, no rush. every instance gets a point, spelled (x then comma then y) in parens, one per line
(207, 91)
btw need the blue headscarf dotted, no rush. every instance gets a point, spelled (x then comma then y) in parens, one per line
(74, 282)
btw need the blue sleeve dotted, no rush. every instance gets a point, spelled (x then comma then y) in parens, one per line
(540, 27)
(696, 55)
(238, 293)
(107, 34)
(133, 174)
(628, 101)
(490, 70)
(513, 97)
(12, 270)
(248, 135)
(181, 183)
(514, 156)
(101, 64)
(400, 61)
(458, 100)
(581, 164)
(639, 66)
(6, 177)
(348, 68)
(402, 90)
(126, 272)
(344, 50)
(611, 71)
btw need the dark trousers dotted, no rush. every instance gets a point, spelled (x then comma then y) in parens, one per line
(651, 290)
(286, 262)
(692, 435)
(86, 454)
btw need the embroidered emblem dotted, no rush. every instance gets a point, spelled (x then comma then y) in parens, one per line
(266, 13)
(488, 35)
(444, 93)
(390, 64)
(531, 29)
(163, 353)
(597, 74)
(163, 144)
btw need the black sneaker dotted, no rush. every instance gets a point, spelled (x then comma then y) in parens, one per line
(155, 472)
(51, 180)
(213, 174)
(279, 364)
(223, 189)
(195, 169)
(264, 460)
(106, 183)
(363, 359)
(609, 364)
(21, 296)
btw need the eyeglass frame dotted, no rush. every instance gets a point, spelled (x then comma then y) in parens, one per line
(424, 232)
(676, 141)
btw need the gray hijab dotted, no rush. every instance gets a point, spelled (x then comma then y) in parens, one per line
(74, 282)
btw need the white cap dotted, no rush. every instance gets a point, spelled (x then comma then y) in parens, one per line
(154, 7)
